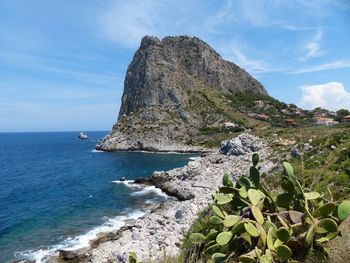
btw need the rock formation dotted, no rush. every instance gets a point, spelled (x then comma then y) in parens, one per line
(173, 88)
(240, 145)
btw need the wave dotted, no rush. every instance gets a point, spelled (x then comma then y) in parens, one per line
(149, 190)
(194, 158)
(96, 151)
(158, 152)
(139, 189)
(128, 183)
(81, 241)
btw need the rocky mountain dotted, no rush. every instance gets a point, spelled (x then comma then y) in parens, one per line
(175, 88)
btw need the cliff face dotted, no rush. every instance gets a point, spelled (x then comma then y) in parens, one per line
(174, 87)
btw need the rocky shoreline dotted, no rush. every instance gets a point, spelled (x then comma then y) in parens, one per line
(118, 142)
(160, 232)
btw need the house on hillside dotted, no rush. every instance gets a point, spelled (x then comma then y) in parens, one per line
(320, 115)
(299, 112)
(291, 122)
(285, 111)
(262, 117)
(230, 125)
(323, 121)
(251, 114)
(259, 104)
(347, 118)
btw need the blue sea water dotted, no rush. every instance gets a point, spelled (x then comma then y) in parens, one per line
(57, 192)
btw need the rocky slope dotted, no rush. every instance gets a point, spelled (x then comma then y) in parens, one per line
(173, 88)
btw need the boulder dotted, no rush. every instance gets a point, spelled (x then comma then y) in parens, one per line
(295, 153)
(68, 254)
(142, 180)
(243, 144)
(83, 136)
(307, 147)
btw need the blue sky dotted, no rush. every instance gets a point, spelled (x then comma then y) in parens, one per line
(62, 63)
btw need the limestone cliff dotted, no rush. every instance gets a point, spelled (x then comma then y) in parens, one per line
(173, 88)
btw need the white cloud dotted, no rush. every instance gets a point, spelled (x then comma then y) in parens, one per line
(327, 66)
(330, 95)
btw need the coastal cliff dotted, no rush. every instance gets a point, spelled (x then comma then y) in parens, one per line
(173, 88)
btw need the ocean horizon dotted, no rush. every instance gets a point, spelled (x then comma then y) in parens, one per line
(58, 192)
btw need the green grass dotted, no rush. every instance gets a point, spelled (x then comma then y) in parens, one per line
(321, 167)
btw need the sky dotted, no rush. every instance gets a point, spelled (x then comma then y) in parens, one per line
(62, 63)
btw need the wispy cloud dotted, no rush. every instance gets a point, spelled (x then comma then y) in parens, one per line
(39, 62)
(237, 52)
(238, 57)
(313, 47)
(127, 22)
(326, 66)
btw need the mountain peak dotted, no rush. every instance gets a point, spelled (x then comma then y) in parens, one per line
(171, 87)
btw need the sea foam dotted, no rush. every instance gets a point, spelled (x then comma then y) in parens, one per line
(96, 151)
(111, 224)
(140, 189)
(81, 241)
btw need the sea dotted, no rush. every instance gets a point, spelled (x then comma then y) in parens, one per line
(58, 192)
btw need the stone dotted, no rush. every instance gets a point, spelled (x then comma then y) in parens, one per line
(307, 147)
(142, 180)
(295, 153)
(241, 145)
(83, 136)
(68, 254)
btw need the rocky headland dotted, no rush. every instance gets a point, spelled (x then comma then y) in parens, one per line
(161, 231)
(173, 88)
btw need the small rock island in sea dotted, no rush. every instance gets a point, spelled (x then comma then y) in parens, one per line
(83, 136)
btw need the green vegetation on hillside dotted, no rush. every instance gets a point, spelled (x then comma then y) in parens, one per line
(323, 155)
(246, 100)
(211, 109)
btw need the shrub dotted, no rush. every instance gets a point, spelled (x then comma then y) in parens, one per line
(250, 224)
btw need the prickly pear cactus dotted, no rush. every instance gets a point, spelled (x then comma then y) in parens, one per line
(250, 224)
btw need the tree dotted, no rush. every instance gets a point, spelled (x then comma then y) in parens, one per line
(340, 114)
